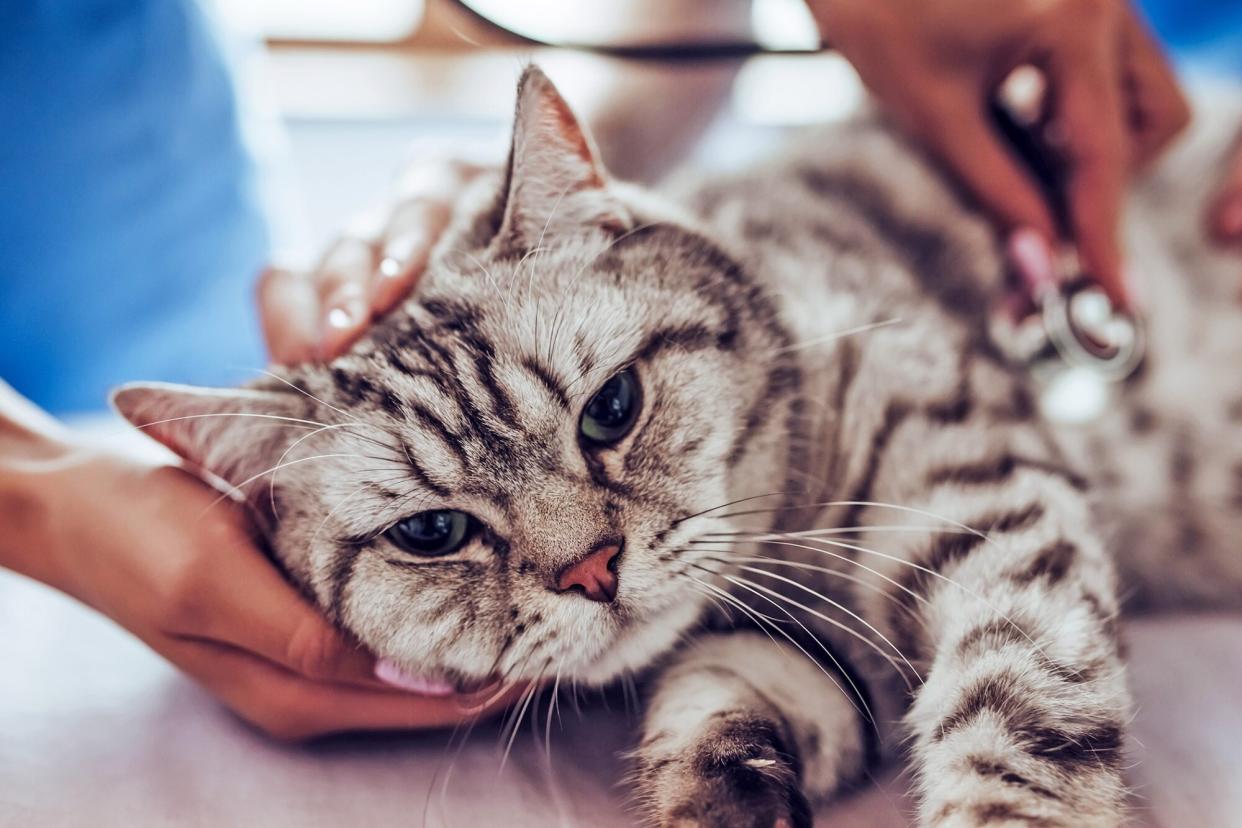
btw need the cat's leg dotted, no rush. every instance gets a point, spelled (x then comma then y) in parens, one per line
(1011, 622)
(740, 732)
(1021, 720)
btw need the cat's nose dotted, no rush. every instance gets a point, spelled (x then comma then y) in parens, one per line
(595, 576)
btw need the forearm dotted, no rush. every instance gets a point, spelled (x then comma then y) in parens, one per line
(32, 447)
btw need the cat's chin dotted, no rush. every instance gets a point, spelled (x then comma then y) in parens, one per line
(640, 643)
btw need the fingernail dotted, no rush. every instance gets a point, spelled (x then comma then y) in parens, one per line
(346, 314)
(1032, 256)
(389, 673)
(390, 268)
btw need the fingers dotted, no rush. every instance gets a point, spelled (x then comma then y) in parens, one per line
(411, 233)
(1225, 216)
(318, 315)
(954, 122)
(292, 708)
(1088, 115)
(343, 281)
(1156, 108)
(289, 312)
(242, 600)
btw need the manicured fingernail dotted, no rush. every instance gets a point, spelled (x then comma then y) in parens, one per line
(346, 314)
(1032, 256)
(390, 268)
(389, 673)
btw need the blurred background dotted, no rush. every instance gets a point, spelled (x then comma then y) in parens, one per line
(157, 154)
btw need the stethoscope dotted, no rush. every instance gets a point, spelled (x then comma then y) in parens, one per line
(1076, 325)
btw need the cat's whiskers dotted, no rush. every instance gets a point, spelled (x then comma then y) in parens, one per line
(769, 538)
(838, 556)
(523, 706)
(485, 271)
(311, 396)
(726, 504)
(294, 422)
(761, 619)
(828, 619)
(835, 573)
(875, 504)
(271, 484)
(830, 338)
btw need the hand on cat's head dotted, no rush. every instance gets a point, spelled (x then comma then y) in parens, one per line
(175, 564)
(317, 314)
(501, 478)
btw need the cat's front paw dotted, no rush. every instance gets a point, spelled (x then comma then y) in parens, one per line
(739, 774)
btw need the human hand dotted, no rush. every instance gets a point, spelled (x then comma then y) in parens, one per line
(168, 559)
(1113, 104)
(363, 275)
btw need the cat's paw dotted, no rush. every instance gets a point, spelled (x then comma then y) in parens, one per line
(738, 775)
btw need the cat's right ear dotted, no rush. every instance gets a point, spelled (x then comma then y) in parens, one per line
(233, 433)
(555, 181)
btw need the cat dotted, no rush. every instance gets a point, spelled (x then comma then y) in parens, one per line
(751, 441)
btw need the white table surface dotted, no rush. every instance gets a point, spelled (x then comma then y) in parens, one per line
(96, 730)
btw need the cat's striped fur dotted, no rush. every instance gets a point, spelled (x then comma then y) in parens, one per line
(825, 533)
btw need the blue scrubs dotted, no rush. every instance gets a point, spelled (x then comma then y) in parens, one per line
(130, 228)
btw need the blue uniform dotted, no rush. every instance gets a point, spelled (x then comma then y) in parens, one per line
(130, 230)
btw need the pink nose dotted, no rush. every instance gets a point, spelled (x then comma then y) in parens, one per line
(595, 575)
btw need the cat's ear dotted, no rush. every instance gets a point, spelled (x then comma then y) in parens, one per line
(233, 433)
(555, 181)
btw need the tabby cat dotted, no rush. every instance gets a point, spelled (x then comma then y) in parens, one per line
(752, 442)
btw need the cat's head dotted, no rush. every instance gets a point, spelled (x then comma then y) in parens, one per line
(504, 477)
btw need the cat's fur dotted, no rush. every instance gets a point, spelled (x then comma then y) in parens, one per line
(974, 598)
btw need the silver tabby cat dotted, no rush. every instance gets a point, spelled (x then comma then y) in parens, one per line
(752, 442)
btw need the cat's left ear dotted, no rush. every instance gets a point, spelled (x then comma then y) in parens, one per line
(233, 433)
(555, 183)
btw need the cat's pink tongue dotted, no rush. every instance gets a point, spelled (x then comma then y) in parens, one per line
(389, 673)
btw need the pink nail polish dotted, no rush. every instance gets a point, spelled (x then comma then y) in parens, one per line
(1032, 256)
(389, 673)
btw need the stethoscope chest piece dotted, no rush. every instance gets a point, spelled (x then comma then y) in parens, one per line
(1087, 331)
(1075, 346)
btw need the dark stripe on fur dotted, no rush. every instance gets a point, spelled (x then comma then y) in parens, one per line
(1004, 695)
(781, 380)
(1052, 562)
(994, 768)
(947, 549)
(896, 414)
(999, 469)
(428, 419)
(1003, 812)
(1001, 694)
(420, 474)
(686, 338)
(484, 359)
(548, 380)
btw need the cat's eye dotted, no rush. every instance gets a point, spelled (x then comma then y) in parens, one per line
(432, 533)
(611, 413)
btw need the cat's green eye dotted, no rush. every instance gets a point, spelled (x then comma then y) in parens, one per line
(432, 533)
(611, 413)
